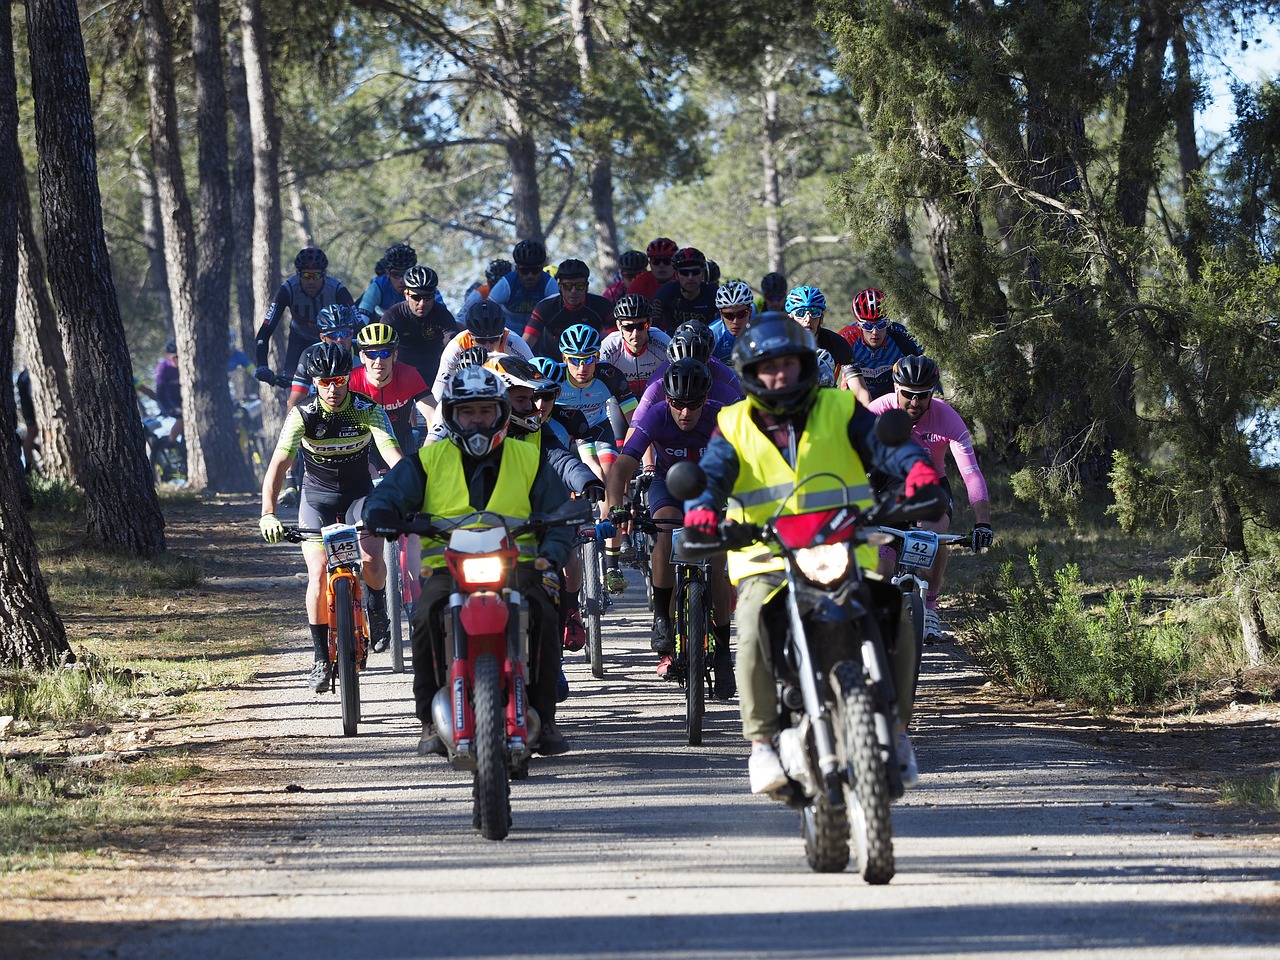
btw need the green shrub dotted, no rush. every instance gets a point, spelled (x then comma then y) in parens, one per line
(1262, 791)
(1045, 641)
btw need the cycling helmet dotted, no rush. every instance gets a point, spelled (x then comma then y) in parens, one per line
(475, 384)
(915, 373)
(518, 372)
(552, 370)
(399, 257)
(496, 270)
(632, 306)
(310, 258)
(380, 268)
(474, 356)
(773, 285)
(774, 335)
(805, 298)
(579, 341)
(735, 293)
(328, 360)
(868, 305)
(337, 316)
(689, 257)
(687, 381)
(633, 261)
(826, 368)
(421, 278)
(713, 273)
(661, 247)
(171, 346)
(693, 338)
(529, 253)
(485, 320)
(572, 270)
(377, 335)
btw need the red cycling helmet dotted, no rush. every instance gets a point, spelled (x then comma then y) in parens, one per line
(869, 305)
(662, 247)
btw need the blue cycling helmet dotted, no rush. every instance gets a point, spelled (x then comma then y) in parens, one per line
(338, 316)
(805, 298)
(550, 369)
(579, 341)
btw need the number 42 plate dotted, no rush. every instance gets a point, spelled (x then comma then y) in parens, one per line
(919, 548)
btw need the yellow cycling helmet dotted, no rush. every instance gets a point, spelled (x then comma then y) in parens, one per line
(377, 335)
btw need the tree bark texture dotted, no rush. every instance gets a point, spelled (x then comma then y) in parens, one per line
(213, 456)
(600, 178)
(45, 352)
(242, 200)
(121, 507)
(1145, 114)
(299, 213)
(153, 238)
(214, 241)
(522, 154)
(770, 133)
(31, 634)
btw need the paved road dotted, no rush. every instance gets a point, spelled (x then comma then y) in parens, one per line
(1021, 841)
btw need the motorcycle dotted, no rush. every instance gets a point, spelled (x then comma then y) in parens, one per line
(168, 454)
(482, 713)
(836, 695)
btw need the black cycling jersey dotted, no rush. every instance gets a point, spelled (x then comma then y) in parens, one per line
(836, 345)
(670, 308)
(422, 339)
(551, 318)
(303, 311)
(336, 443)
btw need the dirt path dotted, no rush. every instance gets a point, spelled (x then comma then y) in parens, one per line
(1033, 834)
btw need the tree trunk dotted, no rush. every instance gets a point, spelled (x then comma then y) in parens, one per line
(266, 187)
(242, 204)
(121, 508)
(299, 213)
(1145, 118)
(31, 634)
(153, 239)
(46, 355)
(213, 237)
(770, 132)
(213, 457)
(600, 145)
(522, 152)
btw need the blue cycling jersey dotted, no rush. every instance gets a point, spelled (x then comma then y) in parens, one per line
(381, 296)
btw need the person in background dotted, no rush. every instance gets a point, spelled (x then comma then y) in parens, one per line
(303, 296)
(661, 254)
(524, 287)
(385, 291)
(630, 265)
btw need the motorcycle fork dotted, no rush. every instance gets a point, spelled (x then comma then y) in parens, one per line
(514, 672)
(460, 681)
(824, 741)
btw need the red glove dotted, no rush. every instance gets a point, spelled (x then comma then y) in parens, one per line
(703, 522)
(920, 475)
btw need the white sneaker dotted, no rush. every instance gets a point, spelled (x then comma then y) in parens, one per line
(932, 625)
(907, 765)
(765, 769)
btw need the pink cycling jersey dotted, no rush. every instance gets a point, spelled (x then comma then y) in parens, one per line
(941, 427)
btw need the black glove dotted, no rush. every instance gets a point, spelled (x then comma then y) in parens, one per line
(593, 492)
(619, 516)
(265, 374)
(382, 522)
(982, 536)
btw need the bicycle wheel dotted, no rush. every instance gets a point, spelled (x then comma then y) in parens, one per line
(644, 560)
(395, 603)
(348, 680)
(592, 605)
(695, 658)
(491, 788)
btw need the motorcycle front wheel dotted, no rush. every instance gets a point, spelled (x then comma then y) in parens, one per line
(867, 796)
(491, 789)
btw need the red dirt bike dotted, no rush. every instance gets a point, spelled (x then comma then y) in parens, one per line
(482, 712)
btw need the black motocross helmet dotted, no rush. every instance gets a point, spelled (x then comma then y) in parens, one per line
(329, 360)
(687, 381)
(767, 337)
(485, 320)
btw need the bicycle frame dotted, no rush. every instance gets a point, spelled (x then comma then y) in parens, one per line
(342, 562)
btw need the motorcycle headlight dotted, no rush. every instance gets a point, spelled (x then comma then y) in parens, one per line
(483, 570)
(825, 563)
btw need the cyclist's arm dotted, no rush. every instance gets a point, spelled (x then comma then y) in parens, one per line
(961, 445)
(384, 437)
(534, 326)
(447, 356)
(859, 387)
(547, 494)
(620, 474)
(275, 310)
(371, 300)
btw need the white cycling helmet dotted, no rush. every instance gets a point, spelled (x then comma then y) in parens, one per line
(735, 293)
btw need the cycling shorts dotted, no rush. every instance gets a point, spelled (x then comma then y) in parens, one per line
(599, 441)
(319, 508)
(660, 497)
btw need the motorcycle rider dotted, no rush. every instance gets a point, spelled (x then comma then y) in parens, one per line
(477, 470)
(789, 429)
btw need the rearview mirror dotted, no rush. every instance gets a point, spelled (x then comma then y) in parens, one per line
(686, 480)
(893, 428)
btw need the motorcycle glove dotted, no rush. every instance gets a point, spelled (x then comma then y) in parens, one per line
(265, 374)
(702, 523)
(982, 536)
(271, 527)
(382, 523)
(920, 475)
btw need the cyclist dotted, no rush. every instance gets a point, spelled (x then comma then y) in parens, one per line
(938, 428)
(878, 343)
(688, 296)
(660, 254)
(713, 273)
(386, 290)
(477, 470)
(790, 429)
(337, 324)
(677, 430)
(486, 327)
(734, 305)
(336, 430)
(422, 322)
(773, 293)
(826, 368)
(304, 295)
(571, 305)
(495, 271)
(169, 388)
(524, 287)
(633, 347)
(807, 306)
(588, 387)
(693, 339)
(630, 265)
(396, 387)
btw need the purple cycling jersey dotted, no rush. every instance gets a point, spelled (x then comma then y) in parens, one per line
(657, 428)
(725, 388)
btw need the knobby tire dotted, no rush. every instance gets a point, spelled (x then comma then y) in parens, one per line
(492, 788)
(867, 798)
(348, 680)
(593, 605)
(695, 653)
(395, 603)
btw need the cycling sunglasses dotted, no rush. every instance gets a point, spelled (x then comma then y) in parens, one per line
(331, 381)
(685, 404)
(310, 274)
(341, 333)
(805, 313)
(660, 261)
(736, 314)
(398, 274)
(691, 271)
(632, 327)
(573, 285)
(909, 395)
(873, 324)
(379, 354)
(583, 361)
(528, 271)
(418, 297)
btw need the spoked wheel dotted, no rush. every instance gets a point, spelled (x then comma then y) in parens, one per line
(348, 680)
(644, 561)
(592, 605)
(395, 603)
(491, 789)
(695, 653)
(867, 798)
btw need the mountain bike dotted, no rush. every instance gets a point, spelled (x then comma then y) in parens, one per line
(402, 596)
(348, 632)
(593, 598)
(642, 540)
(917, 549)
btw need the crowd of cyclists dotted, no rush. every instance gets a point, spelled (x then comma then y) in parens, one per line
(540, 389)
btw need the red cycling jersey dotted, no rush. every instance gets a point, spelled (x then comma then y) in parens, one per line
(397, 397)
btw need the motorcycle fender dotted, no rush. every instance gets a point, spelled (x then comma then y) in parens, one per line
(459, 688)
(484, 615)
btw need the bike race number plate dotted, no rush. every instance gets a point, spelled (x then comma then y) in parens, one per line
(341, 544)
(919, 548)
